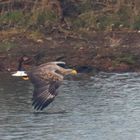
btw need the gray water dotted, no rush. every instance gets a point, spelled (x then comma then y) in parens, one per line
(102, 107)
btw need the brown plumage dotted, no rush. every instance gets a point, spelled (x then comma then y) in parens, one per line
(46, 79)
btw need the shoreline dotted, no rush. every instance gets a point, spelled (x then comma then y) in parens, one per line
(95, 51)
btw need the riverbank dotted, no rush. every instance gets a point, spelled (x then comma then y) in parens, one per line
(116, 51)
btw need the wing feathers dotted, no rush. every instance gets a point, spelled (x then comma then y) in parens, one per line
(42, 101)
(45, 86)
(44, 93)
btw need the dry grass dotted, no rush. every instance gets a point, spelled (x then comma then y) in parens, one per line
(10, 33)
(80, 15)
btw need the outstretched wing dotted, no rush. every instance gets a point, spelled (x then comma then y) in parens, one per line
(44, 91)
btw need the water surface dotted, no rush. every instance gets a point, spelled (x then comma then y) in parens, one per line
(102, 107)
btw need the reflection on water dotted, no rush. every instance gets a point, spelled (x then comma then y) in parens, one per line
(103, 107)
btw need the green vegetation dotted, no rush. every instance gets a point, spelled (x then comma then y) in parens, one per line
(84, 14)
(7, 46)
(127, 58)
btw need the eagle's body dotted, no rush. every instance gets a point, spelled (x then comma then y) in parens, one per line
(46, 79)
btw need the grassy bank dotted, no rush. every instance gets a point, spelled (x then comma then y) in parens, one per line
(83, 15)
(101, 34)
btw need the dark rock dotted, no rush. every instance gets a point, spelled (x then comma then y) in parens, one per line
(85, 69)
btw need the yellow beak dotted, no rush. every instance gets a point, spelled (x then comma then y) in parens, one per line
(74, 72)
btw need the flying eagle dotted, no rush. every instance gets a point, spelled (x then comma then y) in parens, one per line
(46, 79)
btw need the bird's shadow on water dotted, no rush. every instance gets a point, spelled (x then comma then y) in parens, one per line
(50, 112)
